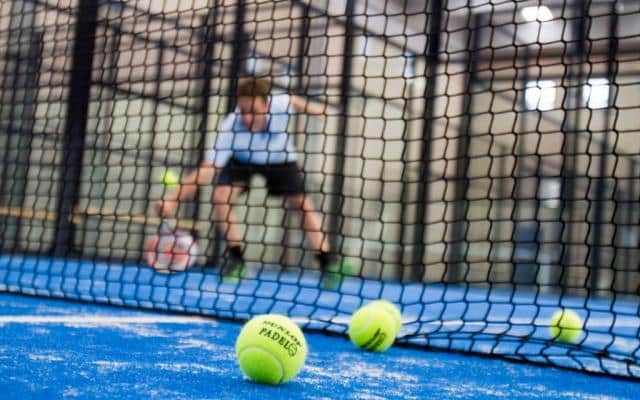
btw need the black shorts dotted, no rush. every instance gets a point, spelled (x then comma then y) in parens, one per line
(282, 179)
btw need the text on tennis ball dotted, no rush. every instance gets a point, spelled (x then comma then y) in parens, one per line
(280, 335)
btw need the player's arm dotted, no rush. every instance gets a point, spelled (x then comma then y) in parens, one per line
(214, 159)
(308, 107)
(203, 175)
(187, 187)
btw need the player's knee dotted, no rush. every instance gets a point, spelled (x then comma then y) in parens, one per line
(221, 195)
(296, 202)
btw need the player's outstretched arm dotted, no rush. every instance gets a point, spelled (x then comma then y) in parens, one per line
(308, 107)
(203, 175)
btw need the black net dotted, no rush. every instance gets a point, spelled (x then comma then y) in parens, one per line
(476, 163)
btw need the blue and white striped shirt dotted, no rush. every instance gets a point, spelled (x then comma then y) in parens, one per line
(271, 146)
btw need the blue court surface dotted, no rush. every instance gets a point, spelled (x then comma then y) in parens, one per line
(55, 348)
(58, 349)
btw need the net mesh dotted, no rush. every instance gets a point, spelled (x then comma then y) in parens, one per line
(477, 163)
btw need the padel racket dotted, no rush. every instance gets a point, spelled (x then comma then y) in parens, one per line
(171, 250)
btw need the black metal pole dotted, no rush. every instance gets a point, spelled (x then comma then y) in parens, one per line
(570, 131)
(98, 163)
(235, 69)
(632, 265)
(302, 45)
(460, 206)
(76, 124)
(337, 199)
(157, 82)
(301, 52)
(501, 213)
(521, 139)
(206, 72)
(400, 272)
(432, 79)
(517, 212)
(602, 193)
(213, 256)
(239, 54)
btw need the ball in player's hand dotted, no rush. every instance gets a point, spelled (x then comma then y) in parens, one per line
(372, 328)
(565, 326)
(271, 349)
(169, 178)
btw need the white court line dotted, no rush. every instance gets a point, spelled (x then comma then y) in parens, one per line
(100, 320)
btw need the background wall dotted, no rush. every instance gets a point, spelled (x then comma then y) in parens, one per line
(517, 192)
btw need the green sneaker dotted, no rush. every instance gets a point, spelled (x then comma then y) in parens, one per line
(232, 271)
(334, 274)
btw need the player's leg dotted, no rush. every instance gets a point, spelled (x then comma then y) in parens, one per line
(332, 268)
(226, 222)
(232, 180)
(287, 180)
(302, 205)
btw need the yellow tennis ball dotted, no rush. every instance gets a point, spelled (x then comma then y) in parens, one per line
(169, 178)
(389, 307)
(271, 349)
(565, 326)
(372, 328)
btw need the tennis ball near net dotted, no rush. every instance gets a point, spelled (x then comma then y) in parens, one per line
(372, 328)
(565, 326)
(393, 311)
(169, 178)
(271, 349)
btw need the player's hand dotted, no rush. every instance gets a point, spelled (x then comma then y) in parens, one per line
(166, 208)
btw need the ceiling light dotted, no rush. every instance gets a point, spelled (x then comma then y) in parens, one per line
(541, 14)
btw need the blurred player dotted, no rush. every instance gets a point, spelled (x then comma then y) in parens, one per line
(253, 140)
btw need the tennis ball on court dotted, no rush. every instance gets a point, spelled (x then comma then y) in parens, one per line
(390, 308)
(565, 326)
(372, 328)
(169, 178)
(271, 349)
